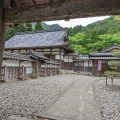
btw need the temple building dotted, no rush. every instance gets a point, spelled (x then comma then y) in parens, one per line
(83, 64)
(54, 44)
(100, 60)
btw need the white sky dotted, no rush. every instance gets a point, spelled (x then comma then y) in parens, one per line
(78, 21)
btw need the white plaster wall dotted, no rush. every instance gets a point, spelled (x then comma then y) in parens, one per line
(9, 50)
(86, 63)
(65, 58)
(56, 53)
(57, 57)
(15, 51)
(22, 51)
(70, 58)
(10, 62)
(57, 50)
(26, 64)
(46, 50)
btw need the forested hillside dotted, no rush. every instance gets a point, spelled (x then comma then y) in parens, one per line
(94, 37)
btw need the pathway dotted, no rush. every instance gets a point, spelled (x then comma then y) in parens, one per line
(77, 103)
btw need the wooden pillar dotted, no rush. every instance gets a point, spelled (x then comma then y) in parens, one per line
(39, 67)
(93, 72)
(50, 53)
(19, 63)
(23, 72)
(83, 66)
(2, 33)
(45, 69)
(60, 59)
(5, 73)
(88, 66)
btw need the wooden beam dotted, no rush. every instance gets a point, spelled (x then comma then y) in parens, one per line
(63, 9)
(2, 33)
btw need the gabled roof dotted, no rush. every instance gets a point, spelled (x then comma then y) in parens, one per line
(37, 55)
(104, 54)
(115, 46)
(38, 39)
(16, 56)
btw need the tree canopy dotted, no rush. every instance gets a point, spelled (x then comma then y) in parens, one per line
(96, 36)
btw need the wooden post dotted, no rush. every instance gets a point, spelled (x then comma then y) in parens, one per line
(83, 66)
(45, 69)
(23, 72)
(88, 67)
(39, 67)
(2, 33)
(60, 59)
(106, 79)
(112, 82)
(93, 72)
(5, 73)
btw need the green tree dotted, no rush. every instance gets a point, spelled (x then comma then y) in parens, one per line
(38, 26)
(11, 31)
(28, 27)
(114, 65)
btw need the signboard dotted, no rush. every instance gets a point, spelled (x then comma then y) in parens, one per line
(99, 65)
(28, 70)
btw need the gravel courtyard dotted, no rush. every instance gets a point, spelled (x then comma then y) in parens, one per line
(108, 99)
(31, 96)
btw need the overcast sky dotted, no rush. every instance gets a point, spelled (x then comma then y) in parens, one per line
(74, 22)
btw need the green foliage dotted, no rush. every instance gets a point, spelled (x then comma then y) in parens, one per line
(114, 65)
(38, 26)
(96, 36)
(112, 73)
(28, 27)
(11, 31)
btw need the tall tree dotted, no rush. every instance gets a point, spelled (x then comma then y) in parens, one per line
(38, 26)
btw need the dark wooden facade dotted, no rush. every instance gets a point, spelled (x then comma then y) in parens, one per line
(104, 56)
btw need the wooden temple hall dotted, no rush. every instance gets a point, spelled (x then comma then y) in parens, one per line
(37, 53)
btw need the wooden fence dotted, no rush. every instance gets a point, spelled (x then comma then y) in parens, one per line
(15, 72)
(48, 71)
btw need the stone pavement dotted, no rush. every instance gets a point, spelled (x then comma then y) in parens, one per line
(77, 103)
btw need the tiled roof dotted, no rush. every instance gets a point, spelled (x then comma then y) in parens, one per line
(38, 55)
(52, 62)
(38, 39)
(82, 57)
(16, 56)
(101, 54)
(115, 46)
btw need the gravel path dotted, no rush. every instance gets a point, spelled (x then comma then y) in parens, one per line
(108, 99)
(31, 96)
